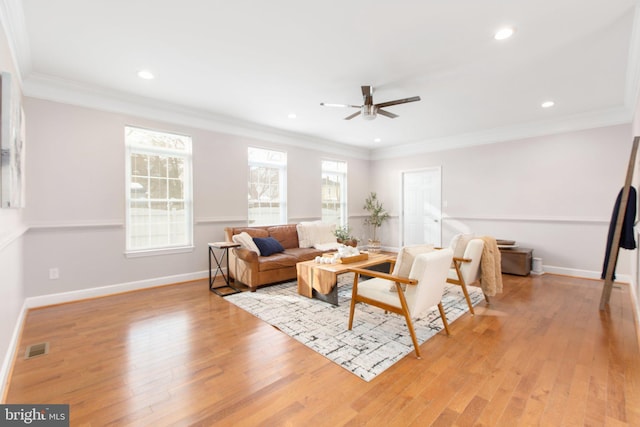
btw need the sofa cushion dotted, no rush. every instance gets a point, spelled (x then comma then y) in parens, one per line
(306, 233)
(245, 240)
(276, 261)
(253, 232)
(287, 235)
(268, 245)
(303, 254)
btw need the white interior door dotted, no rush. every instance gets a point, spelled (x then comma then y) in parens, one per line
(421, 207)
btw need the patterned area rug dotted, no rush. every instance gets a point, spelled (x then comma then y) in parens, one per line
(377, 340)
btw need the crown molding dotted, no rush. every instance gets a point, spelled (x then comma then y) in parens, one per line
(12, 20)
(589, 120)
(59, 90)
(73, 93)
(55, 89)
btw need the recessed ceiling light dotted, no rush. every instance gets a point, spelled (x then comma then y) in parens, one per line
(292, 115)
(548, 104)
(145, 74)
(377, 140)
(504, 33)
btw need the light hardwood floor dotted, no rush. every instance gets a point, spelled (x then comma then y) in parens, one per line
(541, 354)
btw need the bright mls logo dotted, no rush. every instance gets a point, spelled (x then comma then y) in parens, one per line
(34, 415)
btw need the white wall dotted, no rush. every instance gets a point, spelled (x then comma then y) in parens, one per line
(554, 194)
(76, 181)
(12, 227)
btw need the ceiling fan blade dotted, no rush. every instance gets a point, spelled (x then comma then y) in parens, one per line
(386, 113)
(367, 94)
(398, 101)
(327, 104)
(352, 116)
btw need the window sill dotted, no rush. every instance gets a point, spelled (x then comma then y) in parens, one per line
(157, 252)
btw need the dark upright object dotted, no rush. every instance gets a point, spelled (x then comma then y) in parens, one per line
(627, 239)
(617, 231)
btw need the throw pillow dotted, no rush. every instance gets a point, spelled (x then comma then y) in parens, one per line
(323, 233)
(268, 245)
(405, 259)
(245, 241)
(459, 244)
(306, 232)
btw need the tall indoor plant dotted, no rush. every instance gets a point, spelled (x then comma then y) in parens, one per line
(377, 216)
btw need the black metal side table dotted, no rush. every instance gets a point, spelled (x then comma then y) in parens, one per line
(224, 247)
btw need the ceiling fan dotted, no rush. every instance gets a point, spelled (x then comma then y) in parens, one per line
(369, 110)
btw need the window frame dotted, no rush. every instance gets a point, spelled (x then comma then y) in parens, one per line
(282, 183)
(344, 211)
(186, 155)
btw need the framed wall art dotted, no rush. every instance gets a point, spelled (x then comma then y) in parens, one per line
(12, 139)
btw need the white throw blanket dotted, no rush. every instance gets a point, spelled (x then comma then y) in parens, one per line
(327, 246)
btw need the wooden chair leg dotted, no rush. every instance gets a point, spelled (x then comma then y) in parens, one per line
(486, 298)
(444, 318)
(405, 311)
(407, 316)
(354, 293)
(466, 296)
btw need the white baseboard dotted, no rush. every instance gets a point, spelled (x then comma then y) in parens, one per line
(7, 362)
(63, 297)
(587, 274)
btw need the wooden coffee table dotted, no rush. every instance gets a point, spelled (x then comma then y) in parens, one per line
(319, 281)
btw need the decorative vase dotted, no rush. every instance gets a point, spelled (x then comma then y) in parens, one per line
(349, 242)
(374, 246)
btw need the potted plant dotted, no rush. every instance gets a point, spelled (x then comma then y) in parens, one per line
(377, 216)
(343, 234)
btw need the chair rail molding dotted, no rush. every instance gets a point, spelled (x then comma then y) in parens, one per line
(69, 225)
(8, 238)
(514, 218)
(220, 220)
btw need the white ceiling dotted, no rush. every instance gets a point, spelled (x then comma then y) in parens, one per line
(257, 61)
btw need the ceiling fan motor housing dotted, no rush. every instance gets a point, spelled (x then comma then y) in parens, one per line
(369, 112)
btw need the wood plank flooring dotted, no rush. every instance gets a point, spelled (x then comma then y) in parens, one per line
(540, 354)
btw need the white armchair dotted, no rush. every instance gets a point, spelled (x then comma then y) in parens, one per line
(466, 268)
(425, 287)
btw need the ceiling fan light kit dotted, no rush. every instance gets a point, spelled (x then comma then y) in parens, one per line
(368, 109)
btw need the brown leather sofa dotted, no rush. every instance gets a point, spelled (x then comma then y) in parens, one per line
(247, 267)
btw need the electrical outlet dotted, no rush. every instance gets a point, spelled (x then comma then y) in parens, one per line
(54, 273)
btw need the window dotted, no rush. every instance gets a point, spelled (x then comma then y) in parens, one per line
(267, 187)
(334, 192)
(159, 197)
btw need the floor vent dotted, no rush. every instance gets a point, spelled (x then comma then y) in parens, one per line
(37, 350)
